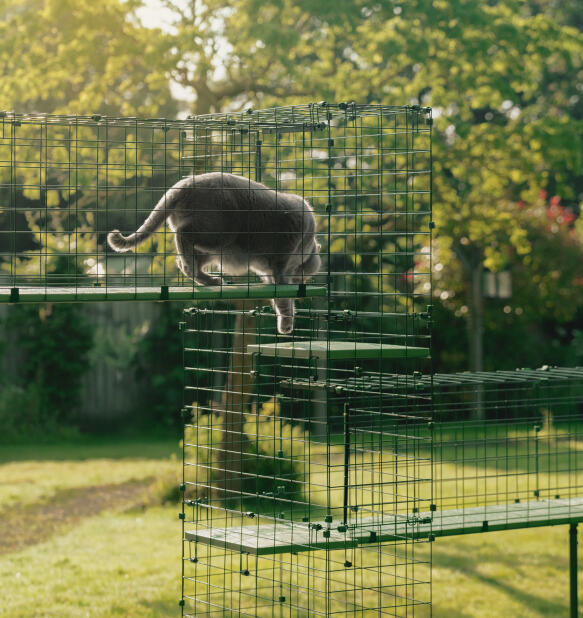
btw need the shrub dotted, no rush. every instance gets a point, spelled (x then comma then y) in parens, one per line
(49, 344)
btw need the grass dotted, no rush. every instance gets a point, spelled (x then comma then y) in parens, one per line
(513, 573)
(91, 447)
(84, 531)
(112, 564)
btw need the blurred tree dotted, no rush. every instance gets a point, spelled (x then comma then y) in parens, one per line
(158, 366)
(78, 56)
(566, 12)
(547, 286)
(231, 54)
(54, 341)
(505, 80)
(49, 342)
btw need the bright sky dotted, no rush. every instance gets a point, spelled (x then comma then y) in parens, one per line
(155, 15)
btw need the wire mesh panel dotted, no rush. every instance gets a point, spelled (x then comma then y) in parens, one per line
(509, 438)
(506, 448)
(305, 468)
(84, 201)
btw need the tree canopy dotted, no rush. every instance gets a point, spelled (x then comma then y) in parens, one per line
(77, 56)
(505, 79)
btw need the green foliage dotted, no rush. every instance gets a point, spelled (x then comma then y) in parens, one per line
(69, 56)
(53, 341)
(202, 439)
(60, 247)
(276, 474)
(19, 411)
(279, 473)
(504, 79)
(158, 366)
(530, 329)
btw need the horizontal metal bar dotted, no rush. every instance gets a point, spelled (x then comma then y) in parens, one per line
(69, 294)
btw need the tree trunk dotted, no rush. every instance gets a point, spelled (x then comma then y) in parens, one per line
(476, 318)
(476, 333)
(473, 268)
(236, 395)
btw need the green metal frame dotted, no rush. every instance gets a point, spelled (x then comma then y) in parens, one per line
(284, 537)
(364, 449)
(267, 461)
(163, 293)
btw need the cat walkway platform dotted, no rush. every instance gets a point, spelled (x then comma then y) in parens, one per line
(283, 537)
(337, 350)
(31, 294)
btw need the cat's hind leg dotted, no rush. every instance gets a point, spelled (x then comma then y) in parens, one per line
(285, 308)
(185, 258)
(189, 261)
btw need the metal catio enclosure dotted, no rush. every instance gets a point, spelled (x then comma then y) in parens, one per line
(66, 181)
(318, 465)
(301, 463)
(307, 456)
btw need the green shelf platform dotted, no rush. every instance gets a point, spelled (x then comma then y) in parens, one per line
(337, 350)
(30, 294)
(283, 537)
(267, 539)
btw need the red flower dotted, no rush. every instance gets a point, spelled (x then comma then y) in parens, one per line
(568, 216)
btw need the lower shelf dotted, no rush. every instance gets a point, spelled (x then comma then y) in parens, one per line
(184, 293)
(284, 537)
(337, 350)
(265, 539)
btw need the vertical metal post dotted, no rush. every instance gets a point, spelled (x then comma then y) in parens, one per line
(182, 327)
(346, 461)
(573, 571)
(320, 400)
(258, 162)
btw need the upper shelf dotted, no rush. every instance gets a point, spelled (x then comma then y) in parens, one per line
(337, 350)
(224, 292)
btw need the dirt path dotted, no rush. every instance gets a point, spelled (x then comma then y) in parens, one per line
(31, 524)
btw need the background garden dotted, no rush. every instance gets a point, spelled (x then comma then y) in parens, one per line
(90, 396)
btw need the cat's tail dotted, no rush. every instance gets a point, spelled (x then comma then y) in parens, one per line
(156, 218)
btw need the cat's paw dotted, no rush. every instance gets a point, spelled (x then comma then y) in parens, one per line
(285, 324)
(215, 281)
(204, 279)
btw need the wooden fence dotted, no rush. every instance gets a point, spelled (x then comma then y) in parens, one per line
(109, 387)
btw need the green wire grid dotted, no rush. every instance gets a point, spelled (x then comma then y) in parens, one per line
(278, 475)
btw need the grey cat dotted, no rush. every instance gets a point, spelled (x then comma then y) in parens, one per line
(240, 225)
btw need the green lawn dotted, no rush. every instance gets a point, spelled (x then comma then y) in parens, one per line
(516, 573)
(84, 531)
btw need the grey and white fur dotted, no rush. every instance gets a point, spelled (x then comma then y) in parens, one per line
(239, 225)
